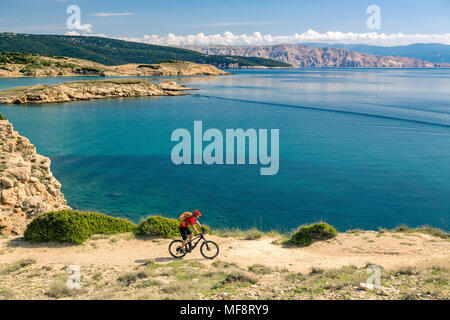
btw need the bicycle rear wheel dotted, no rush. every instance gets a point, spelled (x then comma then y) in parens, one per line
(209, 249)
(174, 249)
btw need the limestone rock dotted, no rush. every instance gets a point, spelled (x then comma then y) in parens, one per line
(77, 91)
(28, 187)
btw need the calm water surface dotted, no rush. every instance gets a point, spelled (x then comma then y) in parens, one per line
(359, 148)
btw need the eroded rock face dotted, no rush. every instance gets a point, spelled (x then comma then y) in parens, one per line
(28, 187)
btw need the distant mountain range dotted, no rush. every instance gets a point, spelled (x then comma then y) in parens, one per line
(309, 56)
(117, 52)
(431, 52)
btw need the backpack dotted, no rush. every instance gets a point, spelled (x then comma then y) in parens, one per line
(185, 215)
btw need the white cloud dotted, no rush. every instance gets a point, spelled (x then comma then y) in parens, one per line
(87, 27)
(112, 14)
(228, 38)
(72, 33)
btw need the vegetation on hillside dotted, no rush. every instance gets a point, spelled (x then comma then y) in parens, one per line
(116, 52)
(31, 62)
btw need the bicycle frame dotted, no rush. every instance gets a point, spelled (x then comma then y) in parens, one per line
(200, 237)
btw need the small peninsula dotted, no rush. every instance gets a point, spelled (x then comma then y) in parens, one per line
(90, 89)
(15, 64)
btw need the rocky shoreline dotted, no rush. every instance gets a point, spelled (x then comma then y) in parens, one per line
(28, 187)
(90, 89)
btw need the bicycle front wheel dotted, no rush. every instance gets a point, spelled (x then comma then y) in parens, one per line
(174, 249)
(209, 249)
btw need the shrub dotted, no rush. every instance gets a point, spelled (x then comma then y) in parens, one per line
(74, 226)
(2, 117)
(157, 226)
(307, 235)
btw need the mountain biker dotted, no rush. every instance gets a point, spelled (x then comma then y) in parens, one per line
(188, 219)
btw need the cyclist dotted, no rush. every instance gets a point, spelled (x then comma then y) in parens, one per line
(188, 219)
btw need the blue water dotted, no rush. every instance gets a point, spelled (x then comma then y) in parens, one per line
(359, 148)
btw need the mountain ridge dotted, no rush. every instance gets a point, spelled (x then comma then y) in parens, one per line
(431, 52)
(305, 56)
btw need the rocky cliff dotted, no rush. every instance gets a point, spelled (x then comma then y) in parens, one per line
(304, 56)
(90, 89)
(28, 187)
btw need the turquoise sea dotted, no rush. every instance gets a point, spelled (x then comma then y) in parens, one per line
(359, 148)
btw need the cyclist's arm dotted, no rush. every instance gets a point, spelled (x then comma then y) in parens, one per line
(193, 226)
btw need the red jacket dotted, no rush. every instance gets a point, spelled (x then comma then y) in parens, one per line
(188, 222)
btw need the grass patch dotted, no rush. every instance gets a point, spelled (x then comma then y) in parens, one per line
(238, 279)
(6, 293)
(409, 271)
(294, 276)
(224, 264)
(129, 278)
(249, 234)
(59, 289)
(148, 284)
(260, 269)
(435, 232)
(13, 267)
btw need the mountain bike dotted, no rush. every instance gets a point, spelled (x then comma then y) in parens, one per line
(208, 249)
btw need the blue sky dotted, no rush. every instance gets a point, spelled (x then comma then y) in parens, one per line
(135, 19)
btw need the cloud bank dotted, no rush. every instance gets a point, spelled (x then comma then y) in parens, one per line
(228, 38)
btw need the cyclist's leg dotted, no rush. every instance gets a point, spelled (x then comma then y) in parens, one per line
(184, 235)
(187, 232)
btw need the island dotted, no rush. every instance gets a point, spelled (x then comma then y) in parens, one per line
(90, 89)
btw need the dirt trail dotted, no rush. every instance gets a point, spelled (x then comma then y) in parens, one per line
(388, 250)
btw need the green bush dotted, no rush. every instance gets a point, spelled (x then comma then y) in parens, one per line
(307, 235)
(2, 117)
(157, 226)
(74, 226)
